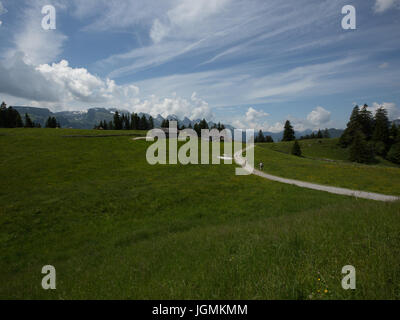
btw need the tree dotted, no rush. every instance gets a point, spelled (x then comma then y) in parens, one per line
(52, 123)
(394, 153)
(366, 121)
(380, 135)
(165, 123)
(196, 128)
(296, 150)
(28, 122)
(288, 133)
(393, 132)
(143, 125)
(203, 124)
(9, 117)
(319, 134)
(360, 150)
(352, 126)
(260, 137)
(151, 123)
(326, 134)
(269, 139)
(117, 121)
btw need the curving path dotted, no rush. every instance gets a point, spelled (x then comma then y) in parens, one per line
(342, 191)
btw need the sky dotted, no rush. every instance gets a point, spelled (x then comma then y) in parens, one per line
(249, 63)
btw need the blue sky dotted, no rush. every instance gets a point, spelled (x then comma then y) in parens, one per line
(250, 63)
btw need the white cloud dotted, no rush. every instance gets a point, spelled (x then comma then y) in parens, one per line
(383, 5)
(59, 83)
(392, 109)
(78, 84)
(319, 116)
(61, 87)
(194, 108)
(253, 119)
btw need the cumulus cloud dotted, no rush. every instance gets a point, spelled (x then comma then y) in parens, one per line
(60, 87)
(319, 116)
(62, 84)
(80, 85)
(391, 108)
(253, 119)
(193, 108)
(383, 5)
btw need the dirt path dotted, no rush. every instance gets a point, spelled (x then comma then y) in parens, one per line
(342, 191)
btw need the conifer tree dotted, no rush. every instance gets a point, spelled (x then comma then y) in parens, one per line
(360, 150)
(296, 150)
(151, 123)
(380, 135)
(366, 122)
(269, 139)
(352, 126)
(288, 133)
(394, 153)
(117, 121)
(260, 137)
(28, 121)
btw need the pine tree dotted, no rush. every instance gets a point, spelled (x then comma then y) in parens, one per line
(28, 121)
(296, 150)
(165, 123)
(352, 126)
(288, 133)
(394, 153)
(360, 150)
(151, 123)
(269, 139)
(319, 134)
(366, 121)
(143, 123)
(380, 135)
(117, 121)
(393, 133)
(260, 137)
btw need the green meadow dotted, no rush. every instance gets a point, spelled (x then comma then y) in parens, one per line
(115, 227)
(324, 163)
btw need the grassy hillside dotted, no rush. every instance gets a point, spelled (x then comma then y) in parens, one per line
(323, 149)
(315, 148)
(374, 178)
(116, 227)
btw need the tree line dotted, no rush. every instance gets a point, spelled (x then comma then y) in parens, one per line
(10, 118)
(319, 135)
(368, 135)
(135, 122)
(127, 122)
(260, 138)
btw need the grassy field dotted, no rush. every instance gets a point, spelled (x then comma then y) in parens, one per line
(375, 178)
(116, 227)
